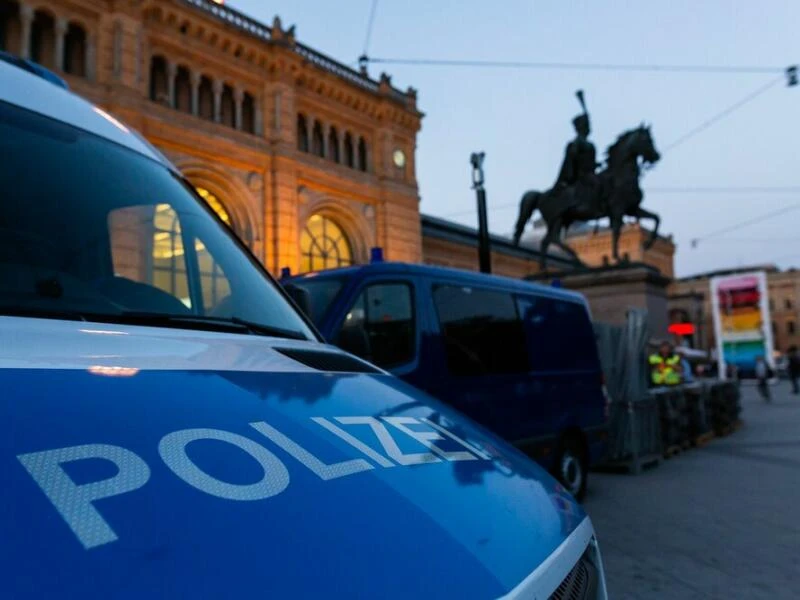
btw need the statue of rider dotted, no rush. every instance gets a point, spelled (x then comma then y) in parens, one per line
(580, 164)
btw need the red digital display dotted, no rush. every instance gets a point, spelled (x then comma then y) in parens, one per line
(681, 329)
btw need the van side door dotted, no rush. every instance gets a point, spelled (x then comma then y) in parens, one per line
(479, 361)
(381, 324)
(564, 360)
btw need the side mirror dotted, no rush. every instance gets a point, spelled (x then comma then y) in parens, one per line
(301, 297)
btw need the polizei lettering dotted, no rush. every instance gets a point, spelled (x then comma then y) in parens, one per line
(75, 501)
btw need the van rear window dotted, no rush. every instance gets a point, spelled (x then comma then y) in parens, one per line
(482, 331)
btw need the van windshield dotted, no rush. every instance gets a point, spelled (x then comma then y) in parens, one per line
(93, 231)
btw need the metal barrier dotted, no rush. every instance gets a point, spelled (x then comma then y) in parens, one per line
(646, 424)
(699, 430)
(674, 419)
(724, 407)
(634, 423)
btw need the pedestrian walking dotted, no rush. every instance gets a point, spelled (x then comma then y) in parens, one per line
(793, 369)
(762, 374)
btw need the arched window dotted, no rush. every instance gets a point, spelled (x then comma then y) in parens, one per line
(228, 107)
(333, 145)
(215, 205)
(43, 39)
(213, 280)
(362, 154)
(159, 90)
(206, 98)
(323, 245)
(790, 327)
(183, 90)
(317, 140)
(75, 50)
(788, 304)
(10, 27)
(302, 134)
(248, 113)
(169, 264)
(349, 151)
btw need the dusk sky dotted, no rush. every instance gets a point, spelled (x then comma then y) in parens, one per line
(521, 117)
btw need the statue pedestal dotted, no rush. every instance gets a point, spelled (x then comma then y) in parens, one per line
(612, 290)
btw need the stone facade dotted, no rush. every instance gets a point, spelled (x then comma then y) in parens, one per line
(279, 135)
(447, 244)
(274, 130)
(613, 291)
(690, 297)
(594, 249)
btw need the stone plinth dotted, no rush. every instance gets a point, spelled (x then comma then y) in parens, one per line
(612, 291)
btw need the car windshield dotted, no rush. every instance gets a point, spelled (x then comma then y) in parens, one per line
(322, 293)
(94, 231)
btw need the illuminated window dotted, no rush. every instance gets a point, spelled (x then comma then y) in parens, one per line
(166, 265)
(323, 245)
(169, 264)
(215, 205)
(215, 284)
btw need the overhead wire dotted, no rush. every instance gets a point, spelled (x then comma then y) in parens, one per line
(368, 37)
(580, 66)
(707, 123)
(764, 190)
(724, 113)
(747, 223)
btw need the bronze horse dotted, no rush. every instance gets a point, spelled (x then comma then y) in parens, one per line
(619, 195)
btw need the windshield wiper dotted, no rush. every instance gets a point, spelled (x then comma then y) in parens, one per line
(206, 323)
(233, 324)
(42, 313)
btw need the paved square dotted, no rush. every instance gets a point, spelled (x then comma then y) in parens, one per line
(714, 522)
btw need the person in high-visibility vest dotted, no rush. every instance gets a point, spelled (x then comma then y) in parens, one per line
(665, 366)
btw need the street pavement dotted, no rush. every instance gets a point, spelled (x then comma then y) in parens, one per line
(719, 521)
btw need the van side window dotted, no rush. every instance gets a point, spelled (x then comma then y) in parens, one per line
(482, 331)
(560, 334)
(380, 325)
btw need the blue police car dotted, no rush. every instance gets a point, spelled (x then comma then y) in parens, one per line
(172, 427)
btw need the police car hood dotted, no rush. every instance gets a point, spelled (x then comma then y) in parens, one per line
(141, 462)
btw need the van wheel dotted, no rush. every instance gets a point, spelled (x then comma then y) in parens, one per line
(571, 467)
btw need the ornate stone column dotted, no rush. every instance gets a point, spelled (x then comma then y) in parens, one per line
(218, 85)
(172, 73)
(26, 20)
(259, 116)
(91, 50)
(195, 77)
(60, 59)
(238, 97)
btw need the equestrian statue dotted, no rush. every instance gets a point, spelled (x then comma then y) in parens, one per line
(581, 193)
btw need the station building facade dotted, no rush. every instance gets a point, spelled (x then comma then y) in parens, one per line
(311, 163)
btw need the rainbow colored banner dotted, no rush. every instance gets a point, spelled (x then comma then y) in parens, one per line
(740, 309)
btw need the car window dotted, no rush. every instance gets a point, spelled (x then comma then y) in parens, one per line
(481, 330)
(322, 292)
(109, 234)
(380, 326)
(560, 334)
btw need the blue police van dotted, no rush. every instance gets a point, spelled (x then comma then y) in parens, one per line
(172, 426)
(517, 357)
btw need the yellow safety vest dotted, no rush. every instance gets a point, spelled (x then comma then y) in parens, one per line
(663, 371)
